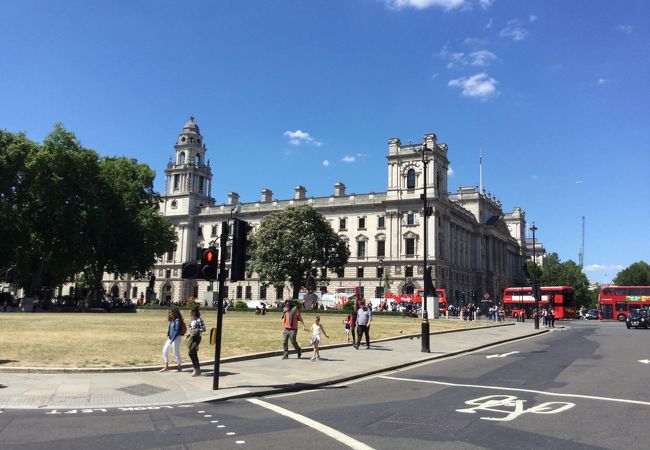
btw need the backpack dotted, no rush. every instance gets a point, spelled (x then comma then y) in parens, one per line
(183, 328)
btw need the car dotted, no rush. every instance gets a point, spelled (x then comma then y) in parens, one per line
(592, 314)
(638, 318)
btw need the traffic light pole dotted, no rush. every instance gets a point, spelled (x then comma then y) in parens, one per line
(222, 284)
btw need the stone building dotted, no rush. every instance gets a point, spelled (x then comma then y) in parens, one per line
(474, 247)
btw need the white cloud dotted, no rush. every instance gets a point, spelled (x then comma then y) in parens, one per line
(579, 182)
(514, 30)
(423, 4)
(489, 24)
(532, 18)
(485, 4)
(480, 85)
(326, 163)
(475, 42)
(627, 29)
(301, 137)
(450, 172)
(602, 80)
(349, 159)
(603, 268)
(480, 58)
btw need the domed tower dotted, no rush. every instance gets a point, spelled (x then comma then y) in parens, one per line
(188, 178)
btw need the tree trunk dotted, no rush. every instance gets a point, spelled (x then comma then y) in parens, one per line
(296, 290)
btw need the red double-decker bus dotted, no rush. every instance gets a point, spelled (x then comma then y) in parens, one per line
(616, 302)
(417, 298)
(518, 300)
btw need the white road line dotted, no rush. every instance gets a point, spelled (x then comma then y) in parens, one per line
(329, 431)
(532, 391)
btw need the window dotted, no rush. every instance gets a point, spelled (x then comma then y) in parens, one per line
(239, 291)
(249, 293)
(200, 184)
(342, 224)
(170, 256)
(361, 249)
(181, 158)
(408, 271)
(323, 273)
(634, 291)
(380, 272)
(262, 292)
(362, 223)
(621, 306)
(340, 273)
(177, 182)
(620, 291)
(410, 246)
(381, 248)
(199, 231)
(381, 222)
(359, 272)
(135, 292)
(168, 273)
(195, 291)
(410, 218)
(410, 179)
(278, 292)
(213, 230)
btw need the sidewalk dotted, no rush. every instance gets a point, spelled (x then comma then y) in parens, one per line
(242, 378)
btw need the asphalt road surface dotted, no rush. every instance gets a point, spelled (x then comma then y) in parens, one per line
(582, 386)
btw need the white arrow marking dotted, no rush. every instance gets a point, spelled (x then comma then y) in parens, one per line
(644, 361)
(502, 355)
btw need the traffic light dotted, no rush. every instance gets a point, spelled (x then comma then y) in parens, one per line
(209, 263)
(429, 288)
(190, 271)
(239, 246)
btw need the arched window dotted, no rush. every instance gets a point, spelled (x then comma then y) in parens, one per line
(181, 158)
(410, 179)
(198, 160)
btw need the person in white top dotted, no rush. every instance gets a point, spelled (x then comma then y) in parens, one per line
(316, 330)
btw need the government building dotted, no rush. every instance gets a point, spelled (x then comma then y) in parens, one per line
(474, 247)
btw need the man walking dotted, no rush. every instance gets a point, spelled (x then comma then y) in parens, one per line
(364, 317)
(290, 318)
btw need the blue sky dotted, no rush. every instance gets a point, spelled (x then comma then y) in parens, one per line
(291, 92)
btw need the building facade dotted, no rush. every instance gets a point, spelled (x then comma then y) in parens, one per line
(474, 247)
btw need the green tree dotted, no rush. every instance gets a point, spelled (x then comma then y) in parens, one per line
(125, 228)
(291, 243)
(554, 272)
(637, 274)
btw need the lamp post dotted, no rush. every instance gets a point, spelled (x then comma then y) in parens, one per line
(425, 215)
(381, 278)
(533, 228)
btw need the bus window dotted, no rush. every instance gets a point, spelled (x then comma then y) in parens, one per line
(634, 291)
(620, 291)
(645, 291)
(608, 291)
(621, 306)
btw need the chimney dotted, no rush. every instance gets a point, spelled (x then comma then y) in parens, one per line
(300, 193)
(267, 195)
(430, 141)
(339, 189)
(233, 198)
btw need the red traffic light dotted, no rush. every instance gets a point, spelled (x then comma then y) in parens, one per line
(209, 257)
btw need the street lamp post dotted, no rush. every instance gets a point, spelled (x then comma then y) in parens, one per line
(425, 216)
(381, 278)
(533, 228)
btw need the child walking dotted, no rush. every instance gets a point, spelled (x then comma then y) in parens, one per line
(347, 322)
(316, 330)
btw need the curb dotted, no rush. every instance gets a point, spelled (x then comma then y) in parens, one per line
(209, 363)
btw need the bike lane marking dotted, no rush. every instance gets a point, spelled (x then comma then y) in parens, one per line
(532, 391)
(329, 431)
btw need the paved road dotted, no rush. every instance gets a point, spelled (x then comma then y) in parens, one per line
(578, 387)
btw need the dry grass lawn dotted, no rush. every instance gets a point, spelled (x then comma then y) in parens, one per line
(115, 340)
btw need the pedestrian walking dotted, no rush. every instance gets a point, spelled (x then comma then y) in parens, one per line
(316, 330)
(193, 337)
(290, 318)
(174, 332)
(353, 323)
(551, 318)
(364, 317)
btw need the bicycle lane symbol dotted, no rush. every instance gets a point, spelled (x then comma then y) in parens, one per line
(512, 407)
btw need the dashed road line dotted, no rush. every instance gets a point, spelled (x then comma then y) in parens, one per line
(531, 391)
(329, 431)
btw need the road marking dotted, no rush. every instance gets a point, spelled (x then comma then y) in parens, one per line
(502, 355)
(240, 442)
(644, 361)
(214, 421)
(230, 433)
(532, 391)
(329, 431)
(511, 406)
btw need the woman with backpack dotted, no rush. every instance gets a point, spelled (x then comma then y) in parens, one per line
(175, 330)
(197, 326)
